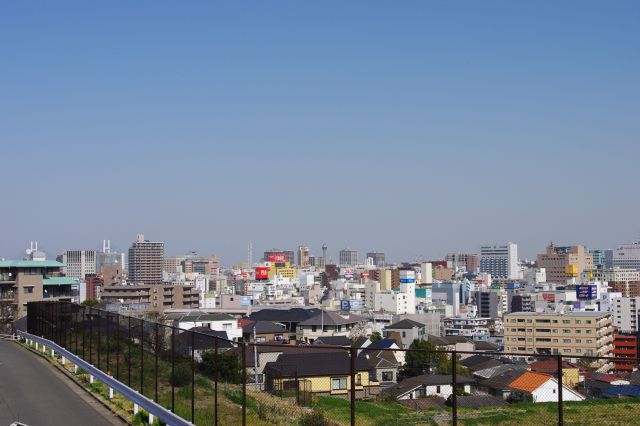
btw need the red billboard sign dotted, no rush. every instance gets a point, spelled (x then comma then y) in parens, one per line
(262, 273)
(277, 258)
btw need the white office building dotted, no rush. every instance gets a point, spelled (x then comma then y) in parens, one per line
(627, 256)
(500, 261)
(625, 314)
(79, 263)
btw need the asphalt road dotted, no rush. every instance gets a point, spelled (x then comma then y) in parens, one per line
(34, 392)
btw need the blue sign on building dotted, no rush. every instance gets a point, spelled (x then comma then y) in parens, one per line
(586, 292)
(345, 305)
(407, 280)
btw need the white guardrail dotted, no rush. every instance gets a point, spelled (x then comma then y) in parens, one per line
(139, 400)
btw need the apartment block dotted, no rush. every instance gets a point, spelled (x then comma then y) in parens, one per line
(145, 261)
(625, 314)
(565, 262)
(156, 298)
(625, 346)
(574, 333)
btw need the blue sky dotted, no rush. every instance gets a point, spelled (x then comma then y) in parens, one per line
(415, 128)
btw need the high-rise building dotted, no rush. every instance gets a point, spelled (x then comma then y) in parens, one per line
(625, 314)
(562, 263)
(106, 257)
(145, 261)
(500, 261)
(598, 258)
(205, 265)
(348, 257)
(627, 256)
(378, 258)
(468, 262)
(79, 263)
(303, 256)
(316, 261)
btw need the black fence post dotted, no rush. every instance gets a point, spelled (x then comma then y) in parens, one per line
(108, 342)
(244, 384)
(215, 380)
(76, 327)
(560, 407)
(142, 357)
(454, 385)
(90, 336)
(352, 371)
(84, 337)
(155, 368)
(173, 368)
(129, 359)
(193, 376)
(118, 346)
(99, 337)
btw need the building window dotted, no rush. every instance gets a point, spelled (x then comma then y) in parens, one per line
(387, 376)
(358, 379)
(339, 384)
(28, 290)
(437, 389)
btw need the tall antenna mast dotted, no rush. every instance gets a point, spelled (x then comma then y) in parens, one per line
(250, 253)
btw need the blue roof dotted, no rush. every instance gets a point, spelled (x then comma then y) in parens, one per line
(381, 344)
(622, 390)
(30, 264)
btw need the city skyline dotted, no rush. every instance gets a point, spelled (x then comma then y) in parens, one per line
(209, 125)
(315, 250)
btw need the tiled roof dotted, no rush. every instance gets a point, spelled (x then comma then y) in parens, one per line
(405, 324)
(550, 366)
(331, 318)
(530, 381)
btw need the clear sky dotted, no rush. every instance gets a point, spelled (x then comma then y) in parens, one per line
(414, 128)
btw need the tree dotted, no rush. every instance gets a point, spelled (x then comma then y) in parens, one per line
(90, 302)
(8, 314)
(375, 336)
(424, 358)
(227, 366)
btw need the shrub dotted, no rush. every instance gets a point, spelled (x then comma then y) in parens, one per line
(313, 418)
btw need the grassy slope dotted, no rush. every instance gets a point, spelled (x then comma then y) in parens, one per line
(595, 412)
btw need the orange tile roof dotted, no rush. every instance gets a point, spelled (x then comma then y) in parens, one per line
(530, 381)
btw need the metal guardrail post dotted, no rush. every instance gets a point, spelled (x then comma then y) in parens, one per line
(454, 382)
(560, 386)
(352, 371)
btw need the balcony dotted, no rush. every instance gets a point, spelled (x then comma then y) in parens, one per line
(7, 295)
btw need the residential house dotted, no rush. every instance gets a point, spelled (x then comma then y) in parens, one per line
(203, 339)
(213, 321)
(540, 387)
(290, 318)
(408, 330)
(428, 385)
(384, 366)
(327, 324)
(323, 373)
(333, 341)
(570, 371)
(263, 331)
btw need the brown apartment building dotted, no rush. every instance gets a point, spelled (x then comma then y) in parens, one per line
(155, 298)
(561, 262)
